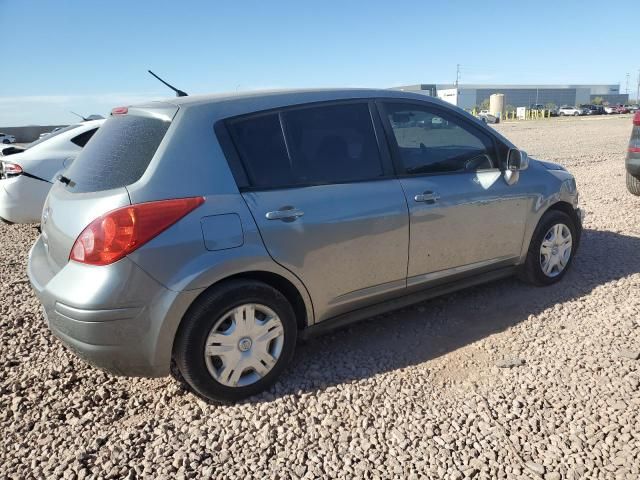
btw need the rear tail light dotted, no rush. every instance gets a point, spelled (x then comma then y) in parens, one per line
(118, 233)
(10, 169)
(636, 118)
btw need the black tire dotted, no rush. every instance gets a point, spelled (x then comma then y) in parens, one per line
(531, 271)
(633, 184)
(6, 142)
(190, 341)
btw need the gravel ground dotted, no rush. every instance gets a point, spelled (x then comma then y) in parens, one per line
(500, 381)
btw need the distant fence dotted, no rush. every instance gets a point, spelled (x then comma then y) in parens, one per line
(529, 114)
(28, 134)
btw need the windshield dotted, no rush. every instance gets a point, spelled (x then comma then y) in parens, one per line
(51, 135)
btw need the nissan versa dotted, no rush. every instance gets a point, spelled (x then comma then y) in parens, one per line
(215, 231)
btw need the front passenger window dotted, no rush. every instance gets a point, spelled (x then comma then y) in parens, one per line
(432, 142)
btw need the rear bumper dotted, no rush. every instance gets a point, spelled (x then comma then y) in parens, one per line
(632, 164)
(115, 317)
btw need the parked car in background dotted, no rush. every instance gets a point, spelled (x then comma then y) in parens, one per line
(6, 139)
(198, 228)
(27, 175)
(632, 162)
(633, 108)
(573, 111)
(592, 109)
(487, 117)
(622, 109)
(610, 109)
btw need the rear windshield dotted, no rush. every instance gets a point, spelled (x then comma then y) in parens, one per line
(52, 134)
(118, 154)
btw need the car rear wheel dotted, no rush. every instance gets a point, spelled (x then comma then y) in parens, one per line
(575, 114)
(235, 340)
(6, 141)
(551, 250)
(633, 184)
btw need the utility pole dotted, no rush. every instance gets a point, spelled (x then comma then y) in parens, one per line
(457, 75)
(638, 90)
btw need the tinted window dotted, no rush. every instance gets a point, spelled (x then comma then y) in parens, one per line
(333, 144)
(326, 144)
(82, 139)
(430, 142)
(118, 154)
(261, 147)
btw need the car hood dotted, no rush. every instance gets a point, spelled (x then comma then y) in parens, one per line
(548, 165)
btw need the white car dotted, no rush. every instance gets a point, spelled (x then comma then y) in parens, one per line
(27, 175)
(5, 138)
(487, 117)
(571, 111)
(46, 134)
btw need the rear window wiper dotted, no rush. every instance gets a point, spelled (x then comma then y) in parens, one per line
(66, 180)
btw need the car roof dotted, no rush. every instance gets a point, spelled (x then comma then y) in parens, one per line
(264, 99)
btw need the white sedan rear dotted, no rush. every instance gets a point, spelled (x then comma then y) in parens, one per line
(27, 175)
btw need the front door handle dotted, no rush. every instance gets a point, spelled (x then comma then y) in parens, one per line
(427, 197)
(285, 213)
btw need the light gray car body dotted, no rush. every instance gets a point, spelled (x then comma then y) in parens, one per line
(358, 247)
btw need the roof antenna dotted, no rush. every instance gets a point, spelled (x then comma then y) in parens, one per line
(179, 93)
(78, 115)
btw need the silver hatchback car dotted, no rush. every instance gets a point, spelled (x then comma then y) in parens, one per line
(215, 231)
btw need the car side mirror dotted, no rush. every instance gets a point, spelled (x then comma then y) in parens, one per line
(517, 160)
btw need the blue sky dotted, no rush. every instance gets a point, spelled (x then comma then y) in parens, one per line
(89, 56)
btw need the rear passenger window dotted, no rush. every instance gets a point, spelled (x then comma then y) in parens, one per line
(324, 145)
(261, 147)
(82, 139)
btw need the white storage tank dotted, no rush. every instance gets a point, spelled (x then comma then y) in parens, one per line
(496, 105)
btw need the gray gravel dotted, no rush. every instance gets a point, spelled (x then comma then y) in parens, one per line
(413, 394)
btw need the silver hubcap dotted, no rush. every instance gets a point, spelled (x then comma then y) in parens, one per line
(244, 345)
(555, 250)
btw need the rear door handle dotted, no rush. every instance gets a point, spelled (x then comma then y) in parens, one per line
(427, 197)
(285, 213)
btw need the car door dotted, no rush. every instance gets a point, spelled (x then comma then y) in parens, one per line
(463, 215)
(326, 201)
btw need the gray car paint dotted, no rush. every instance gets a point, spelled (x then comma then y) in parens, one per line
(350, 249)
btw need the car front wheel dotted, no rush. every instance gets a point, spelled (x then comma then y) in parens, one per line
(235, 340)
(551, 250)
